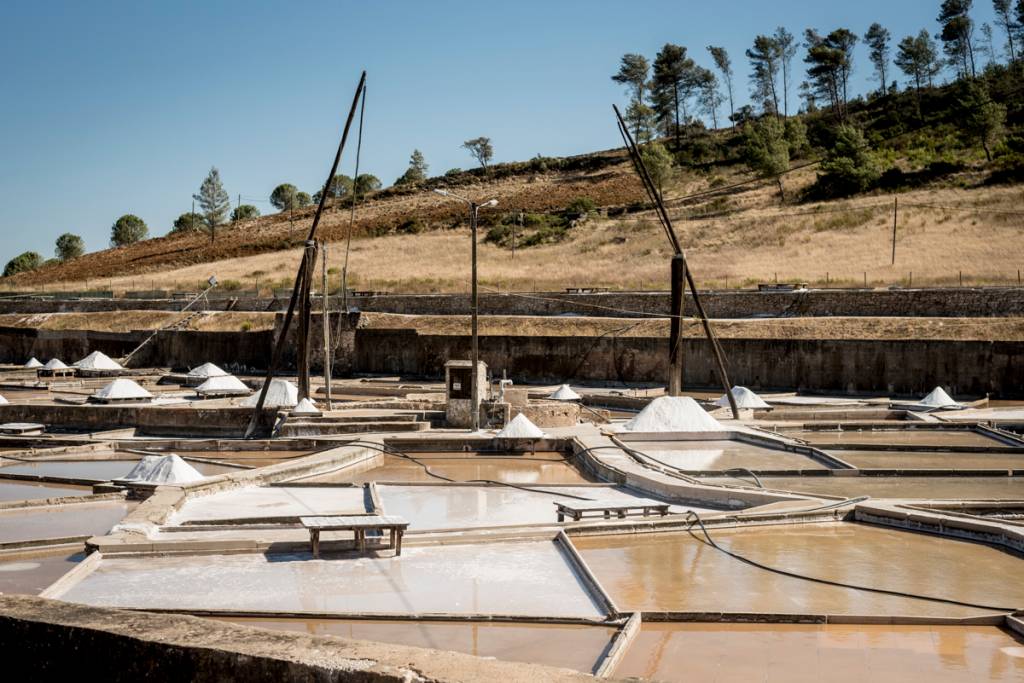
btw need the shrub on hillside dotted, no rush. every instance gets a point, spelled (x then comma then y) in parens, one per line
(69, 246)
(850, 166)
(22, 263)
(128, 229)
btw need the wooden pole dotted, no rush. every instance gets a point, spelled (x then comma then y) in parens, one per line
(301, 276)
(325, 320)
(895, 217)
(676, 365)
(305, 310)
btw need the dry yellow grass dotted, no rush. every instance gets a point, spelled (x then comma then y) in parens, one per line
(756, 240)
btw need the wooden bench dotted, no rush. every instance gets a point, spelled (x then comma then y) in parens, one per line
(359, 525)
(578, 511)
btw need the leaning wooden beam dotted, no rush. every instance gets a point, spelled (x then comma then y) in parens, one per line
(655, 197)
(302, 276)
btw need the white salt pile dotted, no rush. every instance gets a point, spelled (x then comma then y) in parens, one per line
(97, 360)
(520, 427)
(206, 370)
(280, 394)
(224, 385)
(306, 407)
(672, 414)
(163, 469)
(745, 400)
(564, 393)
(3, 401)
(121, 390)
(33, 362)
(939, 399)
(55, 364)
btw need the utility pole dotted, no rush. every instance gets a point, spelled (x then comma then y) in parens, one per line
(675, 377)
(305, 309)
(326, 321)
(895, 217)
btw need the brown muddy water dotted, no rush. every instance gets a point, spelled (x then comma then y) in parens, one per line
(895, 437)
(564, 645)
(80, 519)
(535, 468)
(716, 456)
(96, 470)
(943, 488)
(250, 458)
(931, 460)
(677, 572)
(29, 490)
(784, 653)
(30, 573)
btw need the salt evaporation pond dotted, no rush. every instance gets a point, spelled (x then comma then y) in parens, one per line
(944, 488)
(30, 573)
(519, 579)
(65, 521)
(274, 502)
(928, 460)
(30, 490)
(679, 573)
(95, 470)
(819, 652)
(719, 455)
(569, 646)
(895, 437)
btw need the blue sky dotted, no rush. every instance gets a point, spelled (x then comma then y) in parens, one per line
(122, 107)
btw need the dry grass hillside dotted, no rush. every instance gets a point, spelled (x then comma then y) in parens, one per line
(957, 229)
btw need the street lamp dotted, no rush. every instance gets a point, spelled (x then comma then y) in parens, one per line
(475, 306)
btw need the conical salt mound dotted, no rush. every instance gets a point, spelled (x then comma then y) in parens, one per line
(163, 469)
(280, 394)
(520, 427)
(55, 364)
(3, 401)
(938, 399)
(225, 385)
(306, 407)
(97, 360)
(33, 362)
(206, 370)
(564, 393)
(745, 400)
(121, 390)
(672, 414)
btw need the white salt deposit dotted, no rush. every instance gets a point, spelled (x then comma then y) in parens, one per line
(206, 370)
(520, 427)
(163, 469)
(33, 362)
(3, 401)
(306, 407)
(55, 364)
(121, 390)
(564, 393)
(225, 385)
(938, 399)
(280, 394)
(97, 360)
(745, 399)
(672, 414)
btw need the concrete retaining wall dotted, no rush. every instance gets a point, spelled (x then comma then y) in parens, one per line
(168, 420)
(945, 302)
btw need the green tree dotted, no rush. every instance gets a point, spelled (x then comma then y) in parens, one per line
(187, 222)
(214, 201)
(632, 73)
(829, 65)
(640, 118)
(785, 42)
(708, 96)
(766, 150)
(128, 229)
(724, 65)
(980, 116)
(22, 263)
(244, 212)
(957, 29)
(302, 200)
(481, 150)
(796, 136)
(283, 197)
(69, 246)
(366, 183)
(765, 61)
(1004, 18)
(877, 39)
(673, 80)
(417, 171)
(659, 164)
(849, 166)
(918, 58)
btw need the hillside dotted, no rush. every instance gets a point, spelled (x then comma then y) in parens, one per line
(959, 219)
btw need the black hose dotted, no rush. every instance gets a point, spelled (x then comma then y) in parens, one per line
(828, 582)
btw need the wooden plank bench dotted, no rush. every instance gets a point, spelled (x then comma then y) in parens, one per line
(578, 511)
(359, 525)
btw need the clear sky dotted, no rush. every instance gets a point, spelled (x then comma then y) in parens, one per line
(120, 107)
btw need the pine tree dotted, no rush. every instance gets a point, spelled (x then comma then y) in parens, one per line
(877, 39)
(724, 66)
(213, 201)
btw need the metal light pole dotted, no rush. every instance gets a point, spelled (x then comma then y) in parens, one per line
(474, 209)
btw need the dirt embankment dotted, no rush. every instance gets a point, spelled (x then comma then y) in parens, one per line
(127, 321)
